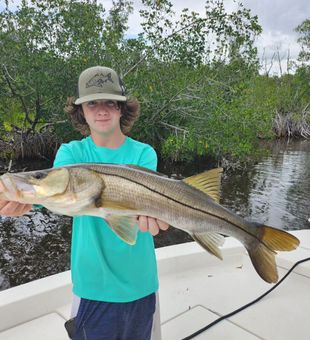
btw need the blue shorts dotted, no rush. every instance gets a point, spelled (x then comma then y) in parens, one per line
(97, 320)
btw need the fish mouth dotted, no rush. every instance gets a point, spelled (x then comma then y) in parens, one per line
(16, 188)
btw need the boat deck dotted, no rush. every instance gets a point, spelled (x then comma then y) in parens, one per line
(195, 289)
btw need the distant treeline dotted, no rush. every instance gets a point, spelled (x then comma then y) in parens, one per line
(198, 78)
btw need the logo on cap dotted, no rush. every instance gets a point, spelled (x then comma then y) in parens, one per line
(99, 80)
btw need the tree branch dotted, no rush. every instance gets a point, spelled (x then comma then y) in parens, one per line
(8, 79)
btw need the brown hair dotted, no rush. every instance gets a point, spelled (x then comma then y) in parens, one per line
(130, 111)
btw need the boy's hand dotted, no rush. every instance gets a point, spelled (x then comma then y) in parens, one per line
(151, 224)
(10, 208)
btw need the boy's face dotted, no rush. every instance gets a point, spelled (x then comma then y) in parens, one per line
(102, 116)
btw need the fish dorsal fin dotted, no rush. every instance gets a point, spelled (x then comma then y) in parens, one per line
(208, 182)
(125, 227)
(211, 242)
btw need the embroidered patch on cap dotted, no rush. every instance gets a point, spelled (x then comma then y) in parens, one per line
(99, 80)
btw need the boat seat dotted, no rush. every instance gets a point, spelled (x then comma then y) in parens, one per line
(197, 317)
(304, 236)
(47, 327)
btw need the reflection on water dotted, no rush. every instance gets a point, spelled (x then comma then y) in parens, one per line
(276, 190)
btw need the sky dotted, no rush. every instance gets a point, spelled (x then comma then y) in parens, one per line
(278, 19)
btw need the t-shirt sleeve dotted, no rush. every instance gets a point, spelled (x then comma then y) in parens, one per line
(148, 158)
(64, 156)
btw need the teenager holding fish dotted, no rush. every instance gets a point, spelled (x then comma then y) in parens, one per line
(115, 280)
(103, 267)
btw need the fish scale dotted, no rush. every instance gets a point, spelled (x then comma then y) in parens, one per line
(120, 193)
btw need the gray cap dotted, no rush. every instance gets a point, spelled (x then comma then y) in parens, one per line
(100, 82)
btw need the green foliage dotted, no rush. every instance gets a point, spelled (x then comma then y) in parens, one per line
(194, 39)
(304, 30)
(45, 45)
(196, 76)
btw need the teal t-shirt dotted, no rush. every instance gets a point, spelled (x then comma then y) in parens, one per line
(103, 267)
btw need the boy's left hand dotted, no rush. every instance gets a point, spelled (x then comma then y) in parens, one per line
(151, 224)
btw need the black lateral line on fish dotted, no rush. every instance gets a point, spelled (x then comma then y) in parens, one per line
(184, 204)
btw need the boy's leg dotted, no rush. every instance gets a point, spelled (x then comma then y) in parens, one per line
(139, 319)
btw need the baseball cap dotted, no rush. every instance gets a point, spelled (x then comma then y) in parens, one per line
(100, 82)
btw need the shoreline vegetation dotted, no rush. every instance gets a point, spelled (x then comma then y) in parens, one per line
(204, 93)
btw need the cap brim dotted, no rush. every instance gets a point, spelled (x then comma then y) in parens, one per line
(98, 96)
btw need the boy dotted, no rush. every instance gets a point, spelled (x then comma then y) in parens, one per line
(114, 283)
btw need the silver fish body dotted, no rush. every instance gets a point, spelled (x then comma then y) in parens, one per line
(119, 193)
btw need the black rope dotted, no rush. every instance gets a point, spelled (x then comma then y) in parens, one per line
(245, 306)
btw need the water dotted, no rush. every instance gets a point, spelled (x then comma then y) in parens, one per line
(33, 246)
(275, 191)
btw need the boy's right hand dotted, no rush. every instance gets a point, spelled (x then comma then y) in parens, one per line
(10, 208)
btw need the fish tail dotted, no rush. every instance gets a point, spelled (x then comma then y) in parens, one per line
(263, 252)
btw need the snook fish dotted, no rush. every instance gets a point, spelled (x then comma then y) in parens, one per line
(119, 193)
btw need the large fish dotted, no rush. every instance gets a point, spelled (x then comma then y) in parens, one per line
(119, 193)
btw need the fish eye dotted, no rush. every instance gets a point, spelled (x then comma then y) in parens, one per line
(39, 175)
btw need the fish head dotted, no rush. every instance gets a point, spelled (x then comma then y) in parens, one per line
(67, 190)
(34, 186)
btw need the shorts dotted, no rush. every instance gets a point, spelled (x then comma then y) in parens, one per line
(98, 320)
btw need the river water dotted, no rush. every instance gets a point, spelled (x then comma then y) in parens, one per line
(274, 191)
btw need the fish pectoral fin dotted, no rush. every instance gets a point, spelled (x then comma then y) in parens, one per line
(125, 227)
(211, 242)
(108, 204)
(208, 182)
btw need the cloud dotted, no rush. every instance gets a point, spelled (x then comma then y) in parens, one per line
(278, 19)
(279, 15)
